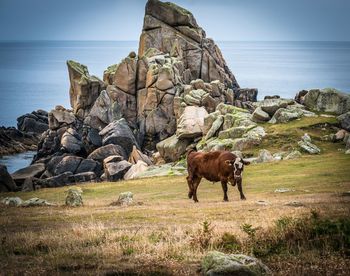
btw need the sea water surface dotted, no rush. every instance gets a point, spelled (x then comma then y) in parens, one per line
(33, 74)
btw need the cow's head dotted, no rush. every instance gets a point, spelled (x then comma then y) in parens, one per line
(237, 167)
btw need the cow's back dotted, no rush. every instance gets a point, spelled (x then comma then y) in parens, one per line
(209, 165)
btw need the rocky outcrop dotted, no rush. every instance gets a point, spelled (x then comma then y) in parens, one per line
(35, 122)
(31, 171)
(6, 182)
(13, 141)
(325, 100)
(172, 29)
(191, 122)
(172, 148)
(344, 120)
(84, 89)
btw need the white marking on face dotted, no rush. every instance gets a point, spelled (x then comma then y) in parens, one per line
(239, 166)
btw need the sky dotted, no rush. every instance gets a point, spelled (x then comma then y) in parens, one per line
(223, 20)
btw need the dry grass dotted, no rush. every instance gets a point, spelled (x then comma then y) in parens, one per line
(163, 232)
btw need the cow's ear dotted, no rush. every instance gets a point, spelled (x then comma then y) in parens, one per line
(228, 162)
(246, 162)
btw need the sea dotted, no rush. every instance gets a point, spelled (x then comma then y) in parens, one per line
(33, 74)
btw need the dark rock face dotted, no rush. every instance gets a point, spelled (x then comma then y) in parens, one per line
(344, 120)
(13, 141)
(172, 29)
(116, 170)
(6, 182)
(105, 151)
(34, 170)
(35, 122)
(119, 133)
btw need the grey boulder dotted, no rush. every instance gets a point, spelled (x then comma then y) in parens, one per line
(216, 263)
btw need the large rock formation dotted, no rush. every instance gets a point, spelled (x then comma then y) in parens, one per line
(177, 79)
(172, 29)
(84, 89)
(325, 100)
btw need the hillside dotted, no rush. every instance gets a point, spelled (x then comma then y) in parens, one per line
(165, 233)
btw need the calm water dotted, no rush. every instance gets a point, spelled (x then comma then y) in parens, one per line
(33, 75)
(17, 161)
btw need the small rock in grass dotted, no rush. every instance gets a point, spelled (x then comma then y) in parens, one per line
(36, 202)
(283, 190)
(217, 263)
(124, 199)
(74, 197)
(12, 201)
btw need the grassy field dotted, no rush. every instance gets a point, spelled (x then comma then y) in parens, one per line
(165, 233)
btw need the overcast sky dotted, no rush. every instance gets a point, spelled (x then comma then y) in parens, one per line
(240, 20)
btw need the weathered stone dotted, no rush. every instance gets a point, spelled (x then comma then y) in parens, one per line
(216, 263)
(191, 122)
(124, 199)
(34, 170)
(264, 156)
(125, 74)
(119, 133)
(13, 141)
(270, 106)
(340, 135)
(113, 159)
(68, 164)
(83, 177)
(136, 155)
(135, 170)
(172, 148)
(54, 181)
(309, 147)
(28, 185)
(260, 115)
(71, 141)
(172, 29)
(234, 132)
(84, 89)
(36, 202)
(35, 122)
(284, 115)
(116, 171)
(105, 151)
(123, 105)
(344, 120)
(293, 155)
(89, 165)
(7, 184)
(12, 201)
(59, 117)
(74, 197)
(102, 112)
(327, 100)
(214, 127)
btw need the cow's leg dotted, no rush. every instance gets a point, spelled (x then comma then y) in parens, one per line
(224, 188)
(190, 186)
(239, 185)
(196, 182)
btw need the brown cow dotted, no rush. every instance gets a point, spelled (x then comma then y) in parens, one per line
(214, 166)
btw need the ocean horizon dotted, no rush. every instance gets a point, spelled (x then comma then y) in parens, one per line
(33, 74)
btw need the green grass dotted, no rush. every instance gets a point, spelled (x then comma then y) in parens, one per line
(166, 233)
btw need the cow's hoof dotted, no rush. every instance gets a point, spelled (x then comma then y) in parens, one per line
(243, 198)
(225, 199)
(196, 201)
(190, 195)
